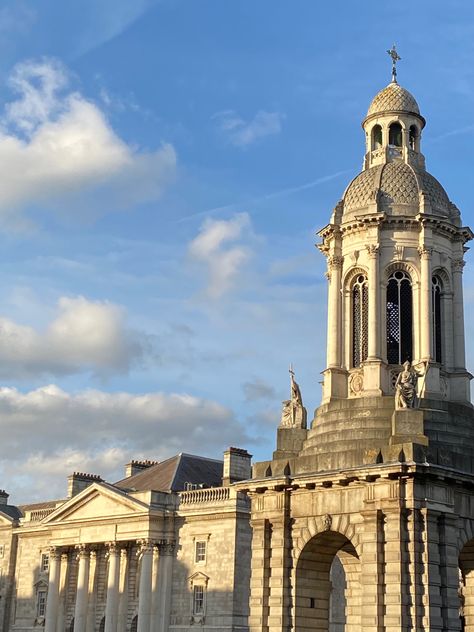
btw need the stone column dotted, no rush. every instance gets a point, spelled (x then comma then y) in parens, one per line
(53, 589)
(458, 315)
(155, 583)
(92, 595)
(372, 572)
(111, 606)
(145, 551)
(123, 591)
(374, 320)
(432, 619)
(63, 577)
(426, 322)
(334, 312)
(165, 571)
(260, 574)
(449, 573)
(80, 612)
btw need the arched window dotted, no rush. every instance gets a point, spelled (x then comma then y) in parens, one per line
(436, 289)
(399, 318)
(134, 626)
(376, 137)
(413, 137)
(395, 135)
(359, 320)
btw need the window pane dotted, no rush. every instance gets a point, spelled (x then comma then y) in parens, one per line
(200, 551)
(198, 600)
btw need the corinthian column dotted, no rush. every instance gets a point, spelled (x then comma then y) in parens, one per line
(63, 577)
(458, 315)
(334, 311)
(145, 552)
(53, 589)
(123, 591)
(111, 606)
(426, 321)
(165, 572)
(80, 612)
(374, 321)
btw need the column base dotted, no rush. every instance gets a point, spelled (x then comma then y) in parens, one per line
(335, 384)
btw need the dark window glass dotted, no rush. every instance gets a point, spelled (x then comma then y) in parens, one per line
(413, 136)
(360, 317)
(399, 318)
(395, 135)
(376, 137)
(436, 315)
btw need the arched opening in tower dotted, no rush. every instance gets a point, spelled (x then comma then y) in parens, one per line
(376, 137)
(395, 135)
(327, 597)
(399, 318)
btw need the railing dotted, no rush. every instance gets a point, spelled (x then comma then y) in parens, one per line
(39, 514)
(212, 494)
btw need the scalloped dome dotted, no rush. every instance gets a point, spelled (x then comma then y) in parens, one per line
(396, 187)
(393, 98)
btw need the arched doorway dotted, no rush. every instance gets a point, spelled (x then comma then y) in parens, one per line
(327, 586)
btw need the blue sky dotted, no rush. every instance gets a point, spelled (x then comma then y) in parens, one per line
(166, 165)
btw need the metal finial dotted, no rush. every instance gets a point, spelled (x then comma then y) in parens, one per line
(291, 372)
(395, 57)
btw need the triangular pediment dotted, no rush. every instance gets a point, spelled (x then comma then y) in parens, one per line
(98, 501)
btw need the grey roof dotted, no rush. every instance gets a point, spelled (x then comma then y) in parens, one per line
(11, 511)
(173, 474)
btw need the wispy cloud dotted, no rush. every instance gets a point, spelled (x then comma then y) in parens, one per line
(268, 196)
(242, 133)
(216, 248)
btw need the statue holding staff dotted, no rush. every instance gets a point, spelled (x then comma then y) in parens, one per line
(406, 385)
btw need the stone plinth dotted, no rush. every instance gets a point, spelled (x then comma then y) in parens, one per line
(408, 427)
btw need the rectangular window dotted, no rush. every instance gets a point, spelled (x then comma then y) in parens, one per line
(200, 552)
(198, 600)
(41, 603)
(44, 563)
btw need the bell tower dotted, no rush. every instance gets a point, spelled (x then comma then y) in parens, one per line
(394, 249)
(365, 519)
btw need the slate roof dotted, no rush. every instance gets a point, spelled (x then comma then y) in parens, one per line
(173, 474)
(11, 511)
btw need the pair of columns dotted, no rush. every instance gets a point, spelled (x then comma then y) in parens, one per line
(154, 579)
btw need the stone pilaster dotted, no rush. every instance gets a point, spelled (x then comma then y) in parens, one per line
(432, 619)
(165, 579)
(372, 594)
(63, 589)
(82, 589)
(92, 592)
(425, 329)
(155, 590)
(260, 575)
(145, 551)
(53, 589)
(374, 319)
(280, 568)
(458, 315)
(449, 571)
(397, 614)
(123, 591)
(334, 312)
(111, 606)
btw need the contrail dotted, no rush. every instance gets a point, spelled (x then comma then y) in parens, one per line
(268, 196)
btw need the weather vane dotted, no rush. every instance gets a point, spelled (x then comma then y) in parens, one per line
(395, 57)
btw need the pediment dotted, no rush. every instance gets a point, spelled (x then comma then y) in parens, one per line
(96, 502)
(6, 520)
(198, 578)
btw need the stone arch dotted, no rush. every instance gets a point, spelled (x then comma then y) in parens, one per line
(315, 525)
(352, 274)
(442, 273)
(313, 588)
(404, 266)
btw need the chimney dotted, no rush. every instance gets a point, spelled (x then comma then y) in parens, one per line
(134, 467)
(4, 497)
(237, 466)
(78, 481)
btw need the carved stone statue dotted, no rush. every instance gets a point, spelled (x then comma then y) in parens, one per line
(405, 386)
(294, 413)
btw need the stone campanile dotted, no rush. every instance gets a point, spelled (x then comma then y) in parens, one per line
(365, 519)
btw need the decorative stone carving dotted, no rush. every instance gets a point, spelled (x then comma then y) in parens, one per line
(458, 265)
(294, 413)
(398, 252)
(335, 261)
(327, 522)
(166, 547)
(356, 383)
(82, 551)
(54, 552)
(405, 386)
(425, 252)
(373, 250)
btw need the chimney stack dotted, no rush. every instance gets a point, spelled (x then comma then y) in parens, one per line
(237, 466)
(4, 497)
(134, 467)
(78, 481)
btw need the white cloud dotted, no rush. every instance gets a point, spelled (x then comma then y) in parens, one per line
(55, 145)
(242, 133)
(215, 247)
(48, 433)
(85, 335)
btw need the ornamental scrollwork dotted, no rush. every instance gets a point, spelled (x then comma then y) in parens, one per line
(458, 265)
(373, 250)
(334, 261)
(425, 252)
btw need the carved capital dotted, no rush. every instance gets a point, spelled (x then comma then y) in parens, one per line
(425, 252)
(373, 250)
(327, 522)
(166, 547)
(112, 548)
(335, 262)
(54, 553)
(144, 546)
(82, 551)
(457, 265)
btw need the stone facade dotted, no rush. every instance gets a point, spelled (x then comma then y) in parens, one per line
(112, 559)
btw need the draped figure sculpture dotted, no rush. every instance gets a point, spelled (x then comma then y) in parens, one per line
(406, 386)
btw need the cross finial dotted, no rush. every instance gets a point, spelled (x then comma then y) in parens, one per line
(290, 371)
(395, 57)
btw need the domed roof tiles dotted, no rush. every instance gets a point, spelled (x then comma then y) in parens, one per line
(393, 98)
(396, 187)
